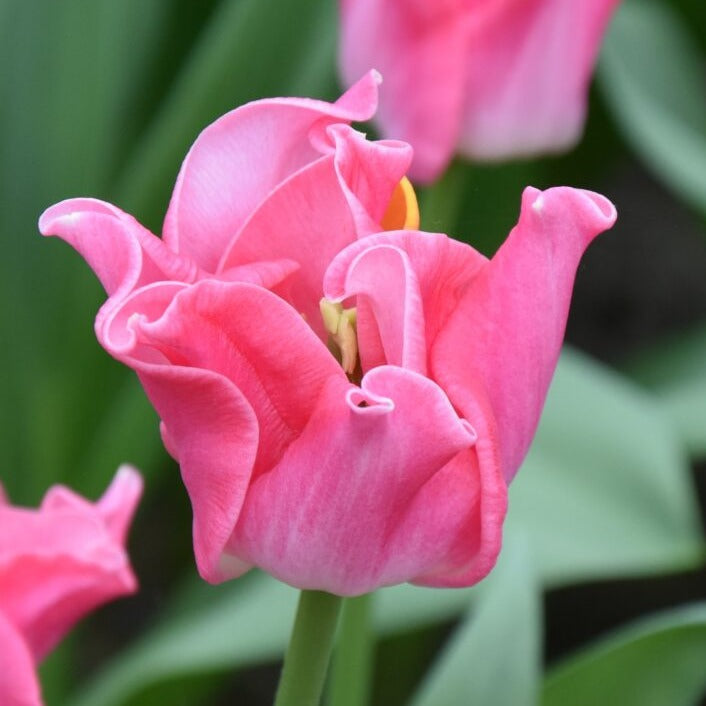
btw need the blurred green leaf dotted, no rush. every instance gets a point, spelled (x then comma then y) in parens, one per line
(494, 657)
(656, 662)
(652, 75)
(245, 622)
(675, 372)
(605, 490)
(238, 624)
(129, 427)
(67, 98)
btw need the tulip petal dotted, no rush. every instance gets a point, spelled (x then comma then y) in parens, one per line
(412, 293)
(217, 365)
(369, 173)
(254, 339)
(326, 205)
(390, 320)
(506, 331)
(207, 424)
(423, 62)
(528, 68)
(462, 508)
(123, 254)
(212, 432)
(323, 517)
(318, 223)
(118, 504)
(116, 507)
(61, 562)
(18, 679)
(230, 169)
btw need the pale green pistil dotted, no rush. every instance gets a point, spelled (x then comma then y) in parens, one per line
(341, 326)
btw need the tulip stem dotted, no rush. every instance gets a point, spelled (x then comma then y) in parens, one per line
(352, 661)
(309, 651)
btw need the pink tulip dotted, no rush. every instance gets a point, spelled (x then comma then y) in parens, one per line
(392, 464)
(57, 564)
(494, 79)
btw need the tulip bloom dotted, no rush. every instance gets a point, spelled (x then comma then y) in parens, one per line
(494, 79)
(57, 564)
(360, 439)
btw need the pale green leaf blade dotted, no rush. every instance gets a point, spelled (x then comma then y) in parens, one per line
(494, 657)
(656, 662)
(605, 490)
(214, 629)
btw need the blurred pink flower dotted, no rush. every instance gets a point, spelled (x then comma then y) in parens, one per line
(57, 564)
(493, 79)
(390, 465)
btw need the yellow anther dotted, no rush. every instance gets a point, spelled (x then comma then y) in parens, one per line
(340, 324)
(402, 211)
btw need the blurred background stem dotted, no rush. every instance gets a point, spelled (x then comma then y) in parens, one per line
(351, 670)
(309, 651)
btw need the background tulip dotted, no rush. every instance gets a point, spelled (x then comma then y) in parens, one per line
(57, 564)
(494, 79)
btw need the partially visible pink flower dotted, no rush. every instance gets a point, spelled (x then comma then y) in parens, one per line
(493, 79)
(57, 564)
(356, 441)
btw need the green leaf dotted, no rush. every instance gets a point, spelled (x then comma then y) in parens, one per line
(656, 662)
(605, 490)
(651, 73)
(675, 372)
(67, 101)
(217, 628)
(494, 656)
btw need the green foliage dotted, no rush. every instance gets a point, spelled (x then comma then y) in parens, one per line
(657, 662)
(651, 72)
(605, 490)
(494, 656)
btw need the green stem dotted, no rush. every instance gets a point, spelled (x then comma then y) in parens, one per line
(352, 661)
(307, 658)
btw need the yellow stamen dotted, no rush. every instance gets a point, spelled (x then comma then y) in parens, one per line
(340, 323)
(403, 211)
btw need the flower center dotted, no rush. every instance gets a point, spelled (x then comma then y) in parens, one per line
(402, 214)
(343, 340)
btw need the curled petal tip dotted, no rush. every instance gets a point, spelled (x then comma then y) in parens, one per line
(605, 211)
(119, 502)
(361, 99)
(130, 481)
(368, 403)
(593, 211)
(69, 211)
(50, 217)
